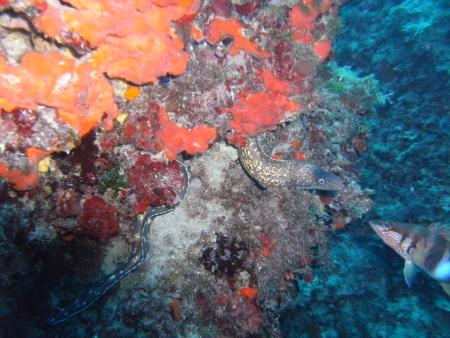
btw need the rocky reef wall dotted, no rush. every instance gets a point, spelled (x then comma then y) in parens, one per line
(104, 103)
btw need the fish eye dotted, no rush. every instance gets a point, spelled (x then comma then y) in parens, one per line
(321, 181)
(408, 250)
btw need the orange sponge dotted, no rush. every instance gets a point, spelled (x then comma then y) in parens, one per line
(322, 48)
(261, 111)
(24, 180)
(274, 84)
(302, 19)
(19, 180)
(133, 39)
(141, 59)
(176, 138)
(220, 28)
(80, 94)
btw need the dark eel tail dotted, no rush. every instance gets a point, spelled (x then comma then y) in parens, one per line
(139, 253)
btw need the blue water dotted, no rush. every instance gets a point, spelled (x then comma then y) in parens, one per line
(406, 45)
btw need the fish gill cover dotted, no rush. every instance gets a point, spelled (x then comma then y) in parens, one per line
(99, 98)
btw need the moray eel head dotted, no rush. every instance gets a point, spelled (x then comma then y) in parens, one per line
(315, 177)
(324, 180)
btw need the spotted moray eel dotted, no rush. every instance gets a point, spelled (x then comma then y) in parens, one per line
(271, 173)
(139, 252)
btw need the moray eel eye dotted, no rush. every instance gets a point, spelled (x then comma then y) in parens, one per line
(324, 180)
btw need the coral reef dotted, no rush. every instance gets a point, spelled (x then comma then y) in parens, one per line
(55, 81)
(100, 98)
(134, 42)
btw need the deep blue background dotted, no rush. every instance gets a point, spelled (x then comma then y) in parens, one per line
(406, 45)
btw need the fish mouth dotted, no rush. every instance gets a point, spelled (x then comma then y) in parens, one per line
(374, 224)
(380, 227)
(388, 233)
(393, 236)
(378, 224)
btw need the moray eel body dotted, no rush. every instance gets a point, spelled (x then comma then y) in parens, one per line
(271, 173)
(139, 253)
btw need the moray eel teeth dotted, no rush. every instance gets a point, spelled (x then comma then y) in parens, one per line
(271, 173)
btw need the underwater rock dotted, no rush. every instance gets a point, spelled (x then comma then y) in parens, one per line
(226, 257)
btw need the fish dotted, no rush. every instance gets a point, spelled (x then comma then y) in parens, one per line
(423, 248)
(139, 253)
(270, 173)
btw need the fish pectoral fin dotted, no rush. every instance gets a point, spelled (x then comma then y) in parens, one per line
(446, 288)
(409, 272)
